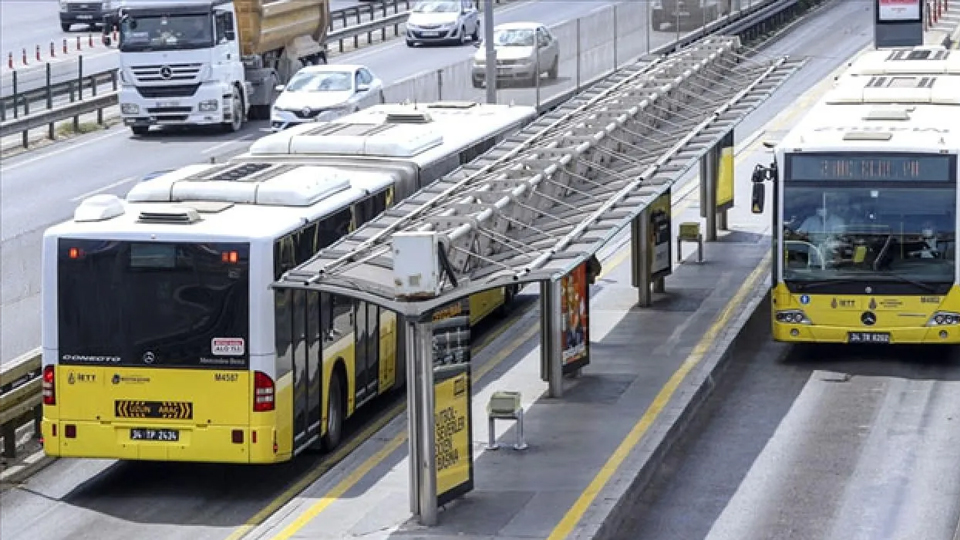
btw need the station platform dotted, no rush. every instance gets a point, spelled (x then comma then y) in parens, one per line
(587, 448)
(577, 444)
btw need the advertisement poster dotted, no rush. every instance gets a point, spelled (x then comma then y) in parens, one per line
(453, 425)
(451, 334)
(661, 237)
(898, 10)
(725, 174)
(575, 309)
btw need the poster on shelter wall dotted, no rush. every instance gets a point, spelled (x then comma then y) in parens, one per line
(452, 431)
(451, 333)
(726, 170)
(660, 240)
(898, 10)
(575, 328)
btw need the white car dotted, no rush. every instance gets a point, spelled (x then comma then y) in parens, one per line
(517, 57)
(321, 93)
(441, 21)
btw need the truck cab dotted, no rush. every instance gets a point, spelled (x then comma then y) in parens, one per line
(686, 14)
(180, 64)
(89, 12)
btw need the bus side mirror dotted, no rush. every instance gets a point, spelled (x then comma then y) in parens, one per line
(757, 198)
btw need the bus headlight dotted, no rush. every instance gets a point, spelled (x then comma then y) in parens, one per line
(792, 316)
(944, 318)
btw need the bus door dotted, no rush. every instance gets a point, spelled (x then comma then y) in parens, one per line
(367, 351)
(306, 359)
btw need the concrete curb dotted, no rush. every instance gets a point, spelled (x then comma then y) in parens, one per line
(615, 504)
(25, 468)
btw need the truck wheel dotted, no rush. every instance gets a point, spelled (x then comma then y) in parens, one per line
(140, 130)
(236, 119)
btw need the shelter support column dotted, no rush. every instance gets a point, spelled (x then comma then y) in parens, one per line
(551, 347)
(639, 265)
(709, 171)
(420, 407)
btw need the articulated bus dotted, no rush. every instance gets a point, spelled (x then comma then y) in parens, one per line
(865, 207)
(162, 338)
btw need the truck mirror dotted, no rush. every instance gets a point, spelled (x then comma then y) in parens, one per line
(757, 198)
(279, 87)
(230, 34)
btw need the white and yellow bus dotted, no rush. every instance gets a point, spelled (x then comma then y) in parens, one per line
(866, 207)
(162, 339)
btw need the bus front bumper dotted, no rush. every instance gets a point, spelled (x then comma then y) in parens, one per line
(215, 444)
(805, 333)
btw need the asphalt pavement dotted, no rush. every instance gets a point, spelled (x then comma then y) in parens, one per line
(43, 187)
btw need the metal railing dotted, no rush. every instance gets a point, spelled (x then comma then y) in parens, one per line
(21, 380)
(20, 399)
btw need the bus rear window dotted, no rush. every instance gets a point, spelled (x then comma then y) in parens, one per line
(153, 304)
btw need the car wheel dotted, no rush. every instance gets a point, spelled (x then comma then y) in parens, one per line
(475, 37)
(554, 68)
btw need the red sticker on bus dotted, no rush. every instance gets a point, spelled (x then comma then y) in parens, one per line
(227, 346)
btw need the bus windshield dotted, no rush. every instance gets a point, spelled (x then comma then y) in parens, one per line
(888, 231)
(166, 32)
(153, 304)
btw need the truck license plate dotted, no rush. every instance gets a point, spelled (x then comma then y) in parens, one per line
(162, 104)
(85, 17)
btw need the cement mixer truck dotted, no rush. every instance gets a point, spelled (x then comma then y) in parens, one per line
(212, 62)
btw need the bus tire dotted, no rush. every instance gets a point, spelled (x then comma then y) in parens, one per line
(336, 411)
(509, 293)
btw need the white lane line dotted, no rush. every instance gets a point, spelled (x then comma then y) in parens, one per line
(225, 144)
(67, 148)
(104, 188)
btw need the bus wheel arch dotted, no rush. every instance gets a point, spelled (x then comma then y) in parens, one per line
(336, 407)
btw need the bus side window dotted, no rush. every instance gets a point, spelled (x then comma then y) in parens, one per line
(306, 242)
(283, 333)
(284, 255)
(334, 227)
(342, 308)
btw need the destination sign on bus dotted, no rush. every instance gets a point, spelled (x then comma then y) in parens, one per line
(871, 166)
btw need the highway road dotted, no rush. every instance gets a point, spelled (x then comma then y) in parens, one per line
(28, 23)
(43, 187)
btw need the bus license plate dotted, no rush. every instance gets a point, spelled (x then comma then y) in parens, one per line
(145, 434)
(868, 337)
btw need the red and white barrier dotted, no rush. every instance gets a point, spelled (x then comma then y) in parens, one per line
(65, 50)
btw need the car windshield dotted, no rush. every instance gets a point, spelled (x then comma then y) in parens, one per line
(437, 7)
(323, 81)
(163, 32)
(513, 37)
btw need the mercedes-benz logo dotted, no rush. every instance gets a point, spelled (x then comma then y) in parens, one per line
(166, 72)
(149, 357)
(306, 111)
(868, 318)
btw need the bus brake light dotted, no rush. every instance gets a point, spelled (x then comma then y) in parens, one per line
(231, 257)
(74, 253)
(263, 392)
(49, 386)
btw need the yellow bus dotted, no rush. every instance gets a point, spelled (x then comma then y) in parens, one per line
(865, 207)
(162, 339)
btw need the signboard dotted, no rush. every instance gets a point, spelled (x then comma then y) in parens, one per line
(898, 10)
(575, 314)
(660, 241)
(453, 431)
(725, 174)
(451, 334)
(898, 23)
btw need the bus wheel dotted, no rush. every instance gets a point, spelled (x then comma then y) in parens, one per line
(335, 414)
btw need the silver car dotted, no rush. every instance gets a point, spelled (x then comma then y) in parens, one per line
(441, 21)
(517, 57)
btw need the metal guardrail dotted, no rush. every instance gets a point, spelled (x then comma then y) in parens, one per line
(20, 399)
(20, 383)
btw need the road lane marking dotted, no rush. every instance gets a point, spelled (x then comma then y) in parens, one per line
(102, 189)
(577, 510)
(65, 148)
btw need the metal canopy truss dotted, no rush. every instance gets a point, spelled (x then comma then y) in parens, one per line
(552, 195)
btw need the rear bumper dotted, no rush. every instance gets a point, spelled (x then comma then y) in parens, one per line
(212, 444)
(801, 333)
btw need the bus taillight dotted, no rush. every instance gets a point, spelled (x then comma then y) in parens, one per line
(49, 387)
(262, 392)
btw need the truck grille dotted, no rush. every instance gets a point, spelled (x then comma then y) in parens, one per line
(179, 90)
(93, 7)
(166, 73)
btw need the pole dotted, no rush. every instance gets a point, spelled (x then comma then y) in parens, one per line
(428, 453)
(491, 76)
(639, 263)
(551, 325)
(413, 412)
(649, 23)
